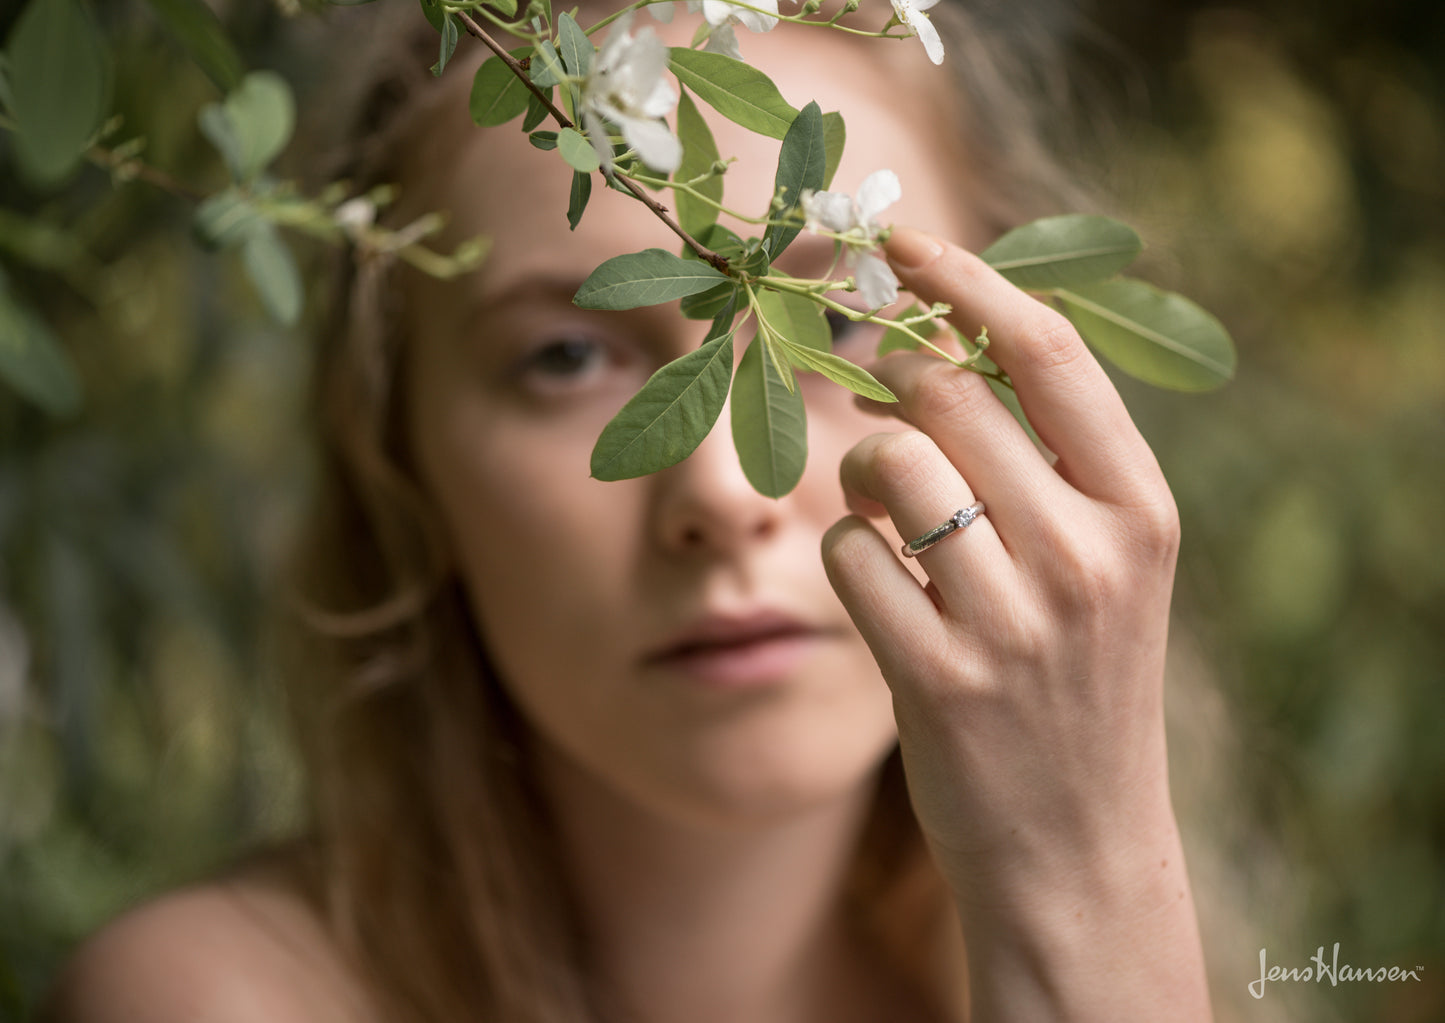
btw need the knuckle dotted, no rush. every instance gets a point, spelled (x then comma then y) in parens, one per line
(1053, 342)
(903, 462)
(943, 394)
(1155, 525)
(1090, 575)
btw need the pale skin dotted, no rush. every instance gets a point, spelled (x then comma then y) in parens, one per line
(722, 781)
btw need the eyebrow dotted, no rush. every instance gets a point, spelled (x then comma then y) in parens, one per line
(533, 288)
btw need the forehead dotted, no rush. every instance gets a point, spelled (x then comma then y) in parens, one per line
(493, 182)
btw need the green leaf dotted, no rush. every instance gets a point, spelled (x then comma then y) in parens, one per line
(273, 272)
(252, 125)
(546, 69)
(699, 153)
(31, 359)
(434, 13)
(1064, 251)
(543, 140)
(1157, 336)
(200, 32)
(577, 198)
(577, 151)
(665, 421)
(59, 82)
(738, 91)
(498, 95)
(797, 318)
(769, 424)
(835, 368)
(225, 219)
(724, 242)
(537, 111)
(449, 36)
(506, 8)
(802, 164)
(645, 278)
(707, 304)
(835, 134)
(574, 46)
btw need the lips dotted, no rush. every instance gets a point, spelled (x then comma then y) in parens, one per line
(756, 648)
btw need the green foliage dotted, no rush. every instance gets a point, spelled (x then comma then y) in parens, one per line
(1157, 336)
(198, 28)
(645, 278)
(575, 49)
(699, 156)
(250, 128)
(58, 87)
(273, 271)
(252, 125)
(665, 421)
(1063, 251)
(577, 151)
(32, 359)
(796, 318)
(497, 94)
(738, 91)
(835, 136)
(769, 424)
(802, 166)
(578, 196)
(834, 367)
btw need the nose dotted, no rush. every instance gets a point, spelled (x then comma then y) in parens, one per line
(705, 504)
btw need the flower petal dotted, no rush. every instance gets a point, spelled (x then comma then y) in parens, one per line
(724, 40)
(876, 282)
(656, 145)
(879, 190)
(597, 135)
(932, 44)
(829, 211)
(755, 20)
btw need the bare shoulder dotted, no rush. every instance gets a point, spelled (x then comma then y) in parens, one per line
(241, 949)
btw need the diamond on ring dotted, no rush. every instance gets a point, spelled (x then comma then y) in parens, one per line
(959, 520)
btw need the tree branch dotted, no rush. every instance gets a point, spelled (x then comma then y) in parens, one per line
(718, 262)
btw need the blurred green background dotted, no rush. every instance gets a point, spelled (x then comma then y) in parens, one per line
(1286, 160)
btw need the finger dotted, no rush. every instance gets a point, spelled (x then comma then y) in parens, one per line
(1063, 390)
(978, 434)
(892, 611)
(920, 489)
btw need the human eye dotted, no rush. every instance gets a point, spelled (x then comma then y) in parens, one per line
(568, 358)
(572, 364)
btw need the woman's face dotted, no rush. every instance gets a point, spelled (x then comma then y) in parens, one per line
(674, 636)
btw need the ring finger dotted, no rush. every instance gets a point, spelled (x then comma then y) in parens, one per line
(907, 477)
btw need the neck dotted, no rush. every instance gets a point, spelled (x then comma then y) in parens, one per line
(713, 923)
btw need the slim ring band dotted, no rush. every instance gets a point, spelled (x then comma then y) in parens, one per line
(962, 519)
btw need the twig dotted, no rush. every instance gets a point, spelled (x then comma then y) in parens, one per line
(718, 262)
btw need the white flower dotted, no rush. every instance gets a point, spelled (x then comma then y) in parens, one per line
(876, 282)
(720, 12)
(626, 86)
(855, 223)
(722, 15)
(910, 12)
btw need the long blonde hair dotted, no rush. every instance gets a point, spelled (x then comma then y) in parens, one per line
(431, 855)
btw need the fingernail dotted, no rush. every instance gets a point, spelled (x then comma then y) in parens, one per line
(911, 249)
